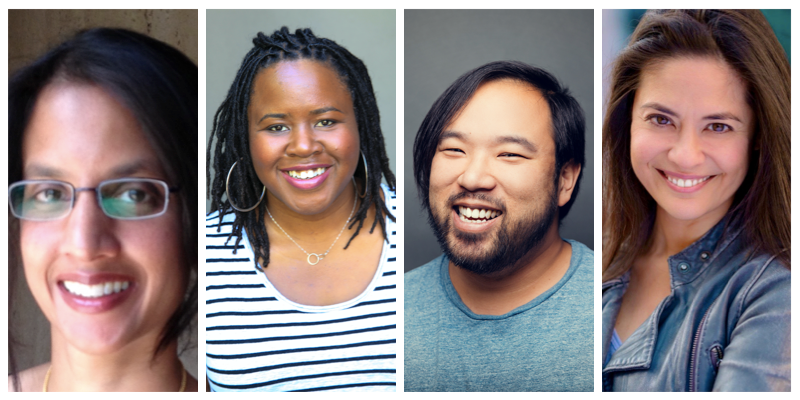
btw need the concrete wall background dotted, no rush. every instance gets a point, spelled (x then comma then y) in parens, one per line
(31, 33)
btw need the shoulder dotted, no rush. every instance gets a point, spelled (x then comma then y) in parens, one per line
(419, 281)
(31, 379)
(215, 225)
(390, 198)
(582, 260)
(763, 278)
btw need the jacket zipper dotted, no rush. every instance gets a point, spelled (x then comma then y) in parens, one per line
(693, 359)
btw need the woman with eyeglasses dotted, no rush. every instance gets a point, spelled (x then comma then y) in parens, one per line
(301, 260)
(102, 210)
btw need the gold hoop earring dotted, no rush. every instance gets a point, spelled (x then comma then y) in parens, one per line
(366, 176)
(227, 192)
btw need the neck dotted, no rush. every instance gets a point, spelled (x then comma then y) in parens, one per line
(130, 369)
(499, 293)
(310, 227)
(670, 235)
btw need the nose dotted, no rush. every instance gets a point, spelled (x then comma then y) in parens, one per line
(477, 174)
(303, 142)
(89, 233)
(687, 152)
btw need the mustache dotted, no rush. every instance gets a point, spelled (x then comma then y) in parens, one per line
(496, 203)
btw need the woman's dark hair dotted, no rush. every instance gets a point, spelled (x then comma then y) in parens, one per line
(159, 85)
(233, 144)
(744, 40)
(565, 113)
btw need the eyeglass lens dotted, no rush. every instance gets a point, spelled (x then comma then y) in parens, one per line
(120, 198)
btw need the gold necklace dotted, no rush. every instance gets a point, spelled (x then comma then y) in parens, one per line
(50, 368)
(319, 257)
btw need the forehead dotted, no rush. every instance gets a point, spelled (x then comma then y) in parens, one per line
(702, 84)
(297, 83)
(77, 130)
(506, 108)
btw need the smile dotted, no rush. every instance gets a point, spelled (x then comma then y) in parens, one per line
(685, 183)
(307, 174)
(95, 291)
(477, 215)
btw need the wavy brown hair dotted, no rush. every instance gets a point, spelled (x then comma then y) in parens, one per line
(746, 42)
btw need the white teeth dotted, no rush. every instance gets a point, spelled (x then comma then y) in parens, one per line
(94, 291)
(686, 183)
(476, 215)
(307, 174)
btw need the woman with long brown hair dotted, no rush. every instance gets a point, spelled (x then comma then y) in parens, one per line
(696, 206)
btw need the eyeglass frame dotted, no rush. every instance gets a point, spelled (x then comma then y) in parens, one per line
(98, 196)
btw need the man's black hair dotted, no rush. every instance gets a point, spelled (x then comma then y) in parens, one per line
(233, 141)
(565, 112)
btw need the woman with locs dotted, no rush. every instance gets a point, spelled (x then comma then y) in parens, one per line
(301, 254)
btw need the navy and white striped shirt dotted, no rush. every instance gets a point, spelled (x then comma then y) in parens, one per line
(258, 340)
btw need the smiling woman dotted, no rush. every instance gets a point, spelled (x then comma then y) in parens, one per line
(696, 207)
(299, 145)
(103, 196)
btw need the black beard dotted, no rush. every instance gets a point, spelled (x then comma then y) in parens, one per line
(510, 244)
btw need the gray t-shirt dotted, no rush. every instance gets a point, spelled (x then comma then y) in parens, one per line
(544, 345)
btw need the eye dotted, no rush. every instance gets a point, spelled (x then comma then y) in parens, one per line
(278, 128)
(659, 120)
(511, 155)
(133, 192)
(133, 196)
(452, 150)
(719, 128)
(324, 123)
(49, 195)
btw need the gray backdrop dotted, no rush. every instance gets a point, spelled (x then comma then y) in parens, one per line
(441, 45)
(368, 34)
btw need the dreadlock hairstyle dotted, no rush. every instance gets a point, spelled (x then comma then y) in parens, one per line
(230, 128)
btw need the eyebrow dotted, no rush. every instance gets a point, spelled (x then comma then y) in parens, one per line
(666, 110)
(123, 170)
(313, 112)
(515, 139)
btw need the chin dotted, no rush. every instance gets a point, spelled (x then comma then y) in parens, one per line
(96, 339)
(689, 213)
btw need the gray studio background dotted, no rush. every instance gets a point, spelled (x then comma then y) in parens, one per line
(368, 34)
(441, 45)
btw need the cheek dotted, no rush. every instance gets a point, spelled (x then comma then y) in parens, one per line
(264, 152)
(734, 158)
(346, 144)
(644, 149)
(38, 247)
(159, 250)
(443, 173)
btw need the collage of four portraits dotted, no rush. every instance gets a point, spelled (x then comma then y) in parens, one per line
(399, 200)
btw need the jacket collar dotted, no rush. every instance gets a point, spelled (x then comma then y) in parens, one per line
(685, 267)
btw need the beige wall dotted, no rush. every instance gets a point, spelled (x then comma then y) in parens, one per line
(31, 33)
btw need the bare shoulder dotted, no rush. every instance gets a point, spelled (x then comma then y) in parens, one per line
(30, 380)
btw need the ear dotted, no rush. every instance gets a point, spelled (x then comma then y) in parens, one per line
(567, 180)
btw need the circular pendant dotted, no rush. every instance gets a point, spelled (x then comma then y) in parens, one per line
(316, 261)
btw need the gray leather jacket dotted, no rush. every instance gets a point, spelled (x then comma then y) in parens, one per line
(724, 326)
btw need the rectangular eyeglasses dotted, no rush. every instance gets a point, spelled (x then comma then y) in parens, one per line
(126, 198)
